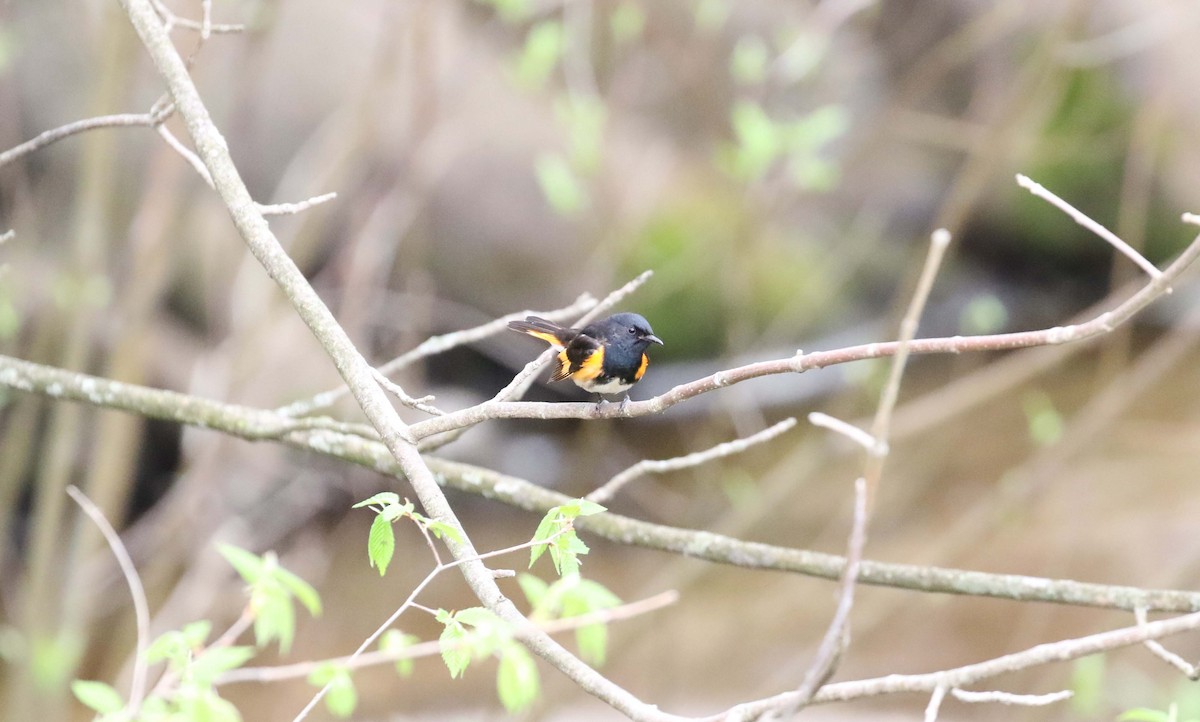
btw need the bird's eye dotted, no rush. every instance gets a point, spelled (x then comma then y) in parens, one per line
(632, 330)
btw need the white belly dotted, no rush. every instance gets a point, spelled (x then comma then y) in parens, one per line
(612, 386)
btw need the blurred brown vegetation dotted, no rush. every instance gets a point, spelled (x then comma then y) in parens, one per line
(473, 184)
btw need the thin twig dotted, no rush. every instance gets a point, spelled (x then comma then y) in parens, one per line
(662, 466)
(8, 235)
(122, 120)
(1084, 220)
(866, 487)
(393, 388)
(426, 649)
(1023, 700)
(436, 345)
(411, 602)
(1158, 650)
(187, 154)
(935, 704)
(847, 429)
(289, 209)
(169, 17)
(1061, 651)
(141, 608)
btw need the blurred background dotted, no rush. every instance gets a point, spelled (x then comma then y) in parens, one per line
(778, 165)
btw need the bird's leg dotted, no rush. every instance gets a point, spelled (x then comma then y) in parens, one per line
(624, 404)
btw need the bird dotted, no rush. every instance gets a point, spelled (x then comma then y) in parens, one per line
(604, 357)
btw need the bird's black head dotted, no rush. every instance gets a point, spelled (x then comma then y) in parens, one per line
(624, 326)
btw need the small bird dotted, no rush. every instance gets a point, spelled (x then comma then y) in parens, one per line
(604, 357)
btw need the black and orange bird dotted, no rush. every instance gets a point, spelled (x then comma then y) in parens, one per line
(604, 357)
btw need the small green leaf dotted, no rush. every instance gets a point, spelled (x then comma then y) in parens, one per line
(442, 530)
(749, 61)
(249, 566)
(589, 508)
(983, 314)
(559, 183)
(381, 544)
(301, 590)
(383, 498)
(342, 698)
(274, 618)
(322, 674)
(534, 588)
(393, 640)
(98, 696)
(627, 22)
(593, 643)
(544, 47)
(454, 652)
(517, 680)
(215, 660)
(195, 633)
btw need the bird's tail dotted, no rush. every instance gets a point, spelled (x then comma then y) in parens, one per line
(547, 331)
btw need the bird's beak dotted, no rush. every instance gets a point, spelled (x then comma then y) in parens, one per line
(655, 339)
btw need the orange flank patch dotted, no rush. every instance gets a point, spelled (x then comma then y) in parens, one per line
(591, 366)
(642, 368)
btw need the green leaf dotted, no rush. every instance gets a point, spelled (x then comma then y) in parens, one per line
(1089, 686)
(207, 706)
(98, 696)
(301, 590)
(627, 22)
(534, 588)
(517, 680)
(249, 566)
(196, 633)
(589, 508)
(544, 47)
(454, 652)
(758, 141)
(546, 529)
(442, 530)
(983, 314)
(393, 640)
(1046, 425)
(559, 183)
(593, 643)
(342, 698)
(171, 646)
(381, 544)
(322, 674)
(748, 63)
(274, 618)
(383, 498)
(215, 660)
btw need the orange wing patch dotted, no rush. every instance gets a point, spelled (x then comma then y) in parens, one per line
(564, 367)
(641, 371)
(591, 366)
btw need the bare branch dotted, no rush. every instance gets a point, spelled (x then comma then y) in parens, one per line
(662, 466)
(1101, 324)
(1084, 220)
(1062, 651)
(1158, 650)
(850, 431)
(427, 649)
(439, 344)
(1023, 700)
(171, 19)
(141, 608)
(354, 443)
(289, 209)
(935, 704)
(123, 120)
(421, 404)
